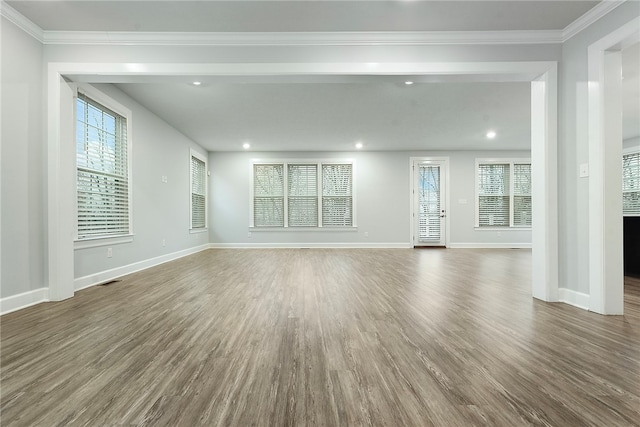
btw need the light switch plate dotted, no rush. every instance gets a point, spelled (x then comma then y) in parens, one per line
(584, 170)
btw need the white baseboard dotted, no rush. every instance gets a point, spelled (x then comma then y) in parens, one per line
(310, 245)
(105, 276)
(489, 245)
(23, 300)
(574, 298)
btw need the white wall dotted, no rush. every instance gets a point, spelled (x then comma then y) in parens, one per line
(573, 148)
(23, 166)
(382, 195)
(631, 142)
(160, 210)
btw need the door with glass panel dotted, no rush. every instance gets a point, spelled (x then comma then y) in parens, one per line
(429, 213)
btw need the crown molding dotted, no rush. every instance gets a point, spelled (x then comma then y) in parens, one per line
(592, 15)
(396, 38)
(21, 22)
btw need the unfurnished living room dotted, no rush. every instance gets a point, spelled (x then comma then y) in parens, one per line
(320, 213)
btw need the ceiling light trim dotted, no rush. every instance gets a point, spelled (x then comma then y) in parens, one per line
(589, 18)
(396, 38)
(21, 22)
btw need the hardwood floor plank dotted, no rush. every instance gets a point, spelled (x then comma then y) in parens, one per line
(318, 337)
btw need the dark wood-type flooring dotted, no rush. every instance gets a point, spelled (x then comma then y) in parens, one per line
(319, 337)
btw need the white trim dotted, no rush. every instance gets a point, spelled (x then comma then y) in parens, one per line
(334, 38)
(23, 300)
(329, 38)
(490, 245)
(544, 145)
(590, 17)
(113, 105)
(498, 161)
(114, 273)
(544, 185)
(413, 160)
(22, 22)
(294, 229)
(202, 158)
(574, 298)
(198, 230)
(606, 288)
(102, 241)
(285, 162)
(298, 245)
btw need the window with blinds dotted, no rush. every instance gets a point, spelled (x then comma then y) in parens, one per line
(631, 184)
(503, 194)
(198, 192)
(522, 195)
(337, 203)
(268, 195)
(493, 195)
(305, 194)
(103, 205)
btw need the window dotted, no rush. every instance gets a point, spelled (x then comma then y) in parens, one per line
(631, 184)
(337, 201)
(198, 191)
(102, 163)
(302, 194)
(503, 193)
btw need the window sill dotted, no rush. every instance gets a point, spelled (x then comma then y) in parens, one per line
(198, 230)
(502, 228)
(294, 229)
(102, 241)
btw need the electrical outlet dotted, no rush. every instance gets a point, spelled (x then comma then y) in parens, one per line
(109, 252)
(249, 234)
(164, 242)
(366, 234)
(164, 178)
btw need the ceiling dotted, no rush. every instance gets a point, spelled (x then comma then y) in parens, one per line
(383, 115)
(305, 113)
(301, 15)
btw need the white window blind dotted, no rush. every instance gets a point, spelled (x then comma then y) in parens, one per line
(303, 195)
(198, 193)
(522, 195)
(631, 184)
(429, 220)
(337, 202)
(493, 195)
(102, 170)
(268, 195)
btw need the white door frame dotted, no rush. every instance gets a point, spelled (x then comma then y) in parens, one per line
(606, 271)
(413, 161)
(61, 195)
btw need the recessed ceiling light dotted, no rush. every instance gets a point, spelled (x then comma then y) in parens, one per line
(246, 145)
(359, 145)
(408, 82)
(491, 134)
(197, 83)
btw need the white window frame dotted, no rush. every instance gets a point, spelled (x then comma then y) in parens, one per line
(116, 107)
(498, 161)
(285, 163)
(627, 151)
(193, 153)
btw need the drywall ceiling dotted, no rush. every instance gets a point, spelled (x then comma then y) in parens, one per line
(383, 115)
(302, 15)
(293, 113)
